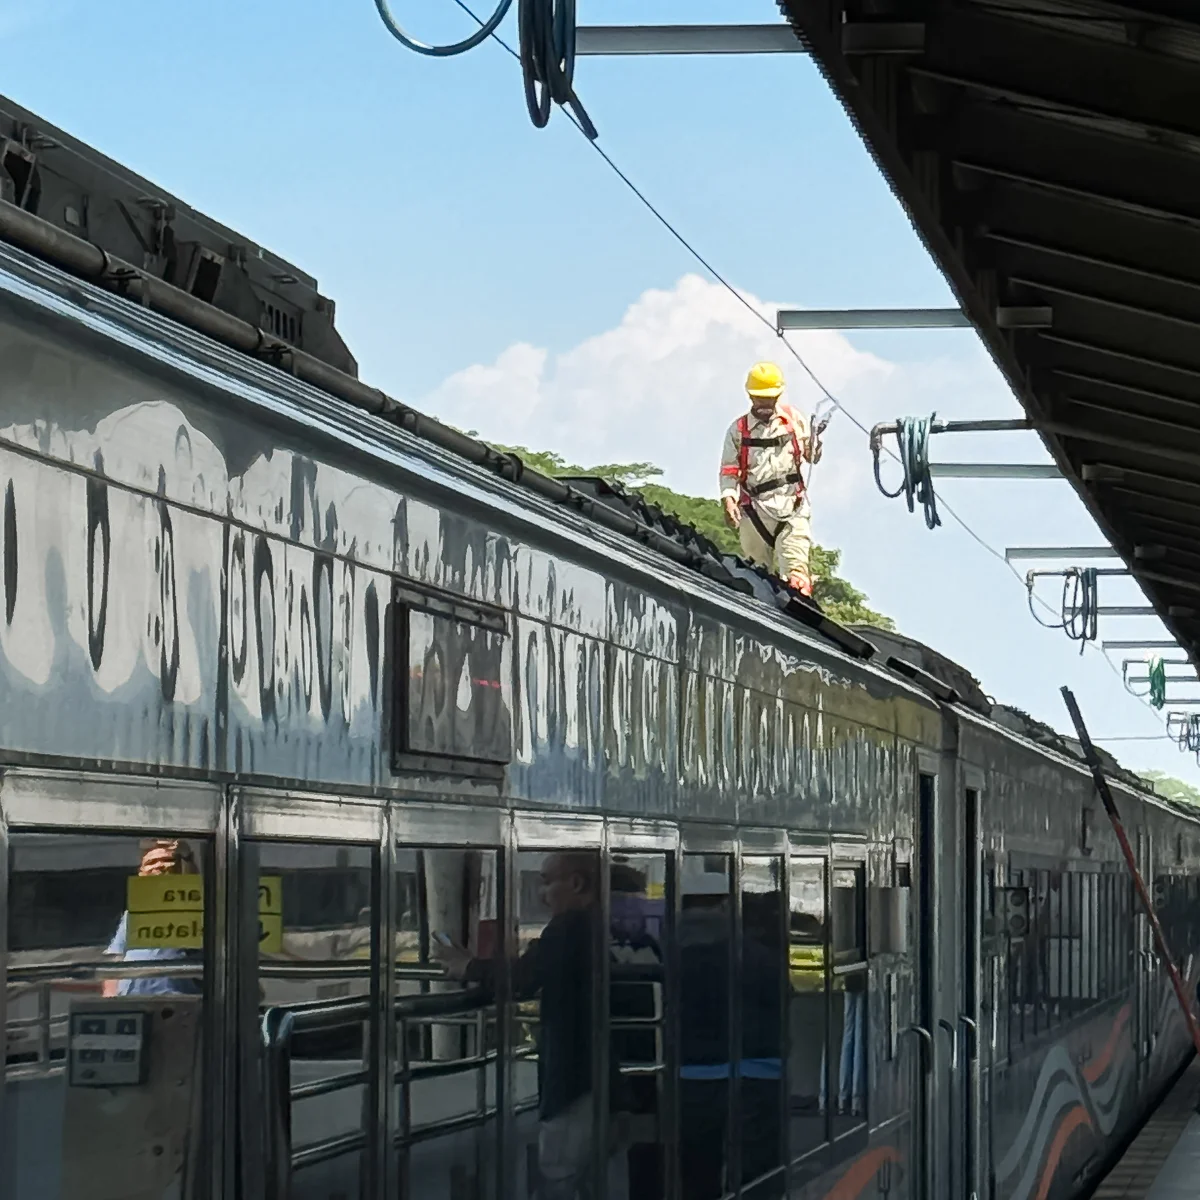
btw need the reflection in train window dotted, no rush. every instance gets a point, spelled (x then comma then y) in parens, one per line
(106, 937)
(554, 990)
(807, 1016)
(705, 943)
(317, 957)
(447, 955)
(760, 1097)
(848, 1008)
(637, 953)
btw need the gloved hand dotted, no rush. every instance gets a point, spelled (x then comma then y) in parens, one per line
(733, 514)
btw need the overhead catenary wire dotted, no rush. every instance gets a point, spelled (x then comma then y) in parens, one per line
(835, 404)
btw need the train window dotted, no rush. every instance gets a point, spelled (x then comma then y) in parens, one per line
(553, 1030)
(849, 913)
(807, 1017)
(104, 1019)
(456, 692)
(317, 962)
(763, 971)
(848, 1010)
(447, 957)
(637, 953)
(705, 943)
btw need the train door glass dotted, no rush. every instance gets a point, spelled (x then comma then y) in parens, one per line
(449, 953)
(808, 1055)
(555, 985)
(763, 971)
(317, 989)
(639, 931)
(105, 1031)
(705, 1011)
(848, 1011)
(966, 1144)
(925, 1157)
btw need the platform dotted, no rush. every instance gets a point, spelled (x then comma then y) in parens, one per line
(1163, 1162)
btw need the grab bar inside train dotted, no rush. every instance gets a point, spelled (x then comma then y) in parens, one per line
(281, 1024)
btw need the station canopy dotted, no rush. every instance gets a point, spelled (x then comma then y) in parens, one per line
(1048, 154)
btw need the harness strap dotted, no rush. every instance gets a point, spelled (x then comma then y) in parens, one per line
(769, 485)
(743, 467)
(760, 526)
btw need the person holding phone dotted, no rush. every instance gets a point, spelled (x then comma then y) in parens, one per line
(160, 856)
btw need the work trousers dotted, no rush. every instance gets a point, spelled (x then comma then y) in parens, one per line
(788, 558)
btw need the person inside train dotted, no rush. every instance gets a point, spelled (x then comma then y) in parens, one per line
(762, 481)
(557, 968)
(160, 856)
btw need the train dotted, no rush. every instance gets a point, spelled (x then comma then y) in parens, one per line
(383, 819)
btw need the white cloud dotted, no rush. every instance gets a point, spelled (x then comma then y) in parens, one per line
(664, 384)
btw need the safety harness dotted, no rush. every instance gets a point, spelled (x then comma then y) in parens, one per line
(750, 494)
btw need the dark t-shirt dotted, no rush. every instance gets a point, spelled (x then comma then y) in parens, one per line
(557, 967)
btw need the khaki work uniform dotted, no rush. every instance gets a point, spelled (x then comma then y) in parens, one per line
(761, 468)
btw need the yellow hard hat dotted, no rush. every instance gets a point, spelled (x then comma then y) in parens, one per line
(765, 380)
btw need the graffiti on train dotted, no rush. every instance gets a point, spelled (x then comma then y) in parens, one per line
(1069, 1096)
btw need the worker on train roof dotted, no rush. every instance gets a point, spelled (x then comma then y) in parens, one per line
(762, 481)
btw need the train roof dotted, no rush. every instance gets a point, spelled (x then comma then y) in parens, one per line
(42, 220)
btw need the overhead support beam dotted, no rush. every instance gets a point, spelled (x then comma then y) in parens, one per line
(871, 318)
(1139, 645)
(1007, 317)
(1075, 553)
(994, 471)
(600, 40)
(858, 37)
(1189, 407)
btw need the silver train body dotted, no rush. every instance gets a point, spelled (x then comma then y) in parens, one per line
(238, 613)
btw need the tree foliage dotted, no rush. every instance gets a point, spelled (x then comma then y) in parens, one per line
(837, 596)
(1172, 788)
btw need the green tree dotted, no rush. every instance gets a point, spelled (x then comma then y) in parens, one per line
(1172, 788)
(837, 596)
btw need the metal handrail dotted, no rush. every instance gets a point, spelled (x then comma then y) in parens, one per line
(279, 1026)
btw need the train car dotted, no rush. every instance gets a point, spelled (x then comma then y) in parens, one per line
(381, 820)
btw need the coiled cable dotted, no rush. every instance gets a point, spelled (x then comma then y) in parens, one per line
(1157, 672)
(546, 50)
(1080, 610)
(912, 436)
(449, 50)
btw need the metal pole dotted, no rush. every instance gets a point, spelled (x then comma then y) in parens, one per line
(1110, 807)
(687, 39)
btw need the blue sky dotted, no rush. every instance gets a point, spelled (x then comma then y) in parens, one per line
(503, 278)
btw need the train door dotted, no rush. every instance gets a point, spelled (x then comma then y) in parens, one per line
(312, 1041)
(449, 984)
(967, 1100)
(1145, 968)
(928, 1041)
(558, 1078)
(642, 918)
(114, 1079)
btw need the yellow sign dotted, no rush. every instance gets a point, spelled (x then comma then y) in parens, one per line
(166, 912)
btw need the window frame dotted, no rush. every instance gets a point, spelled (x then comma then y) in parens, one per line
(411, 596)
